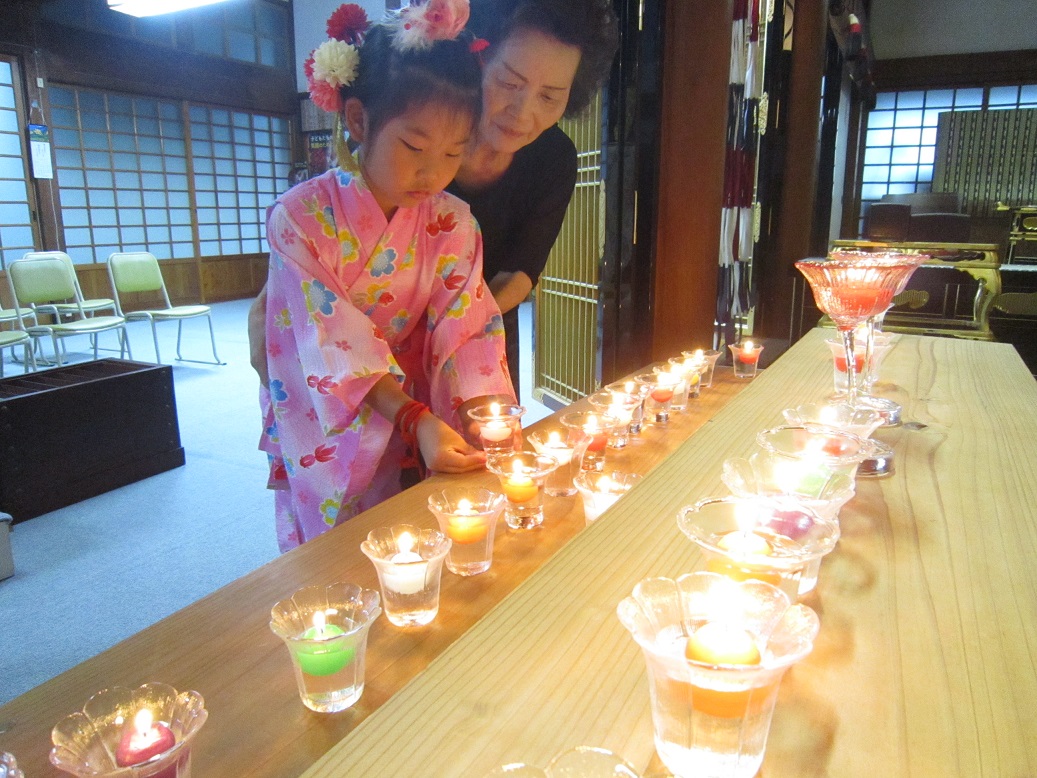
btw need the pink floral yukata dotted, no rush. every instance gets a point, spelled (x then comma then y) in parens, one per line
(350, 299)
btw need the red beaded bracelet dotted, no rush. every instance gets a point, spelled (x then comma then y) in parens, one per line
(407, 418)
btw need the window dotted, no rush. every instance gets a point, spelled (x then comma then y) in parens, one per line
(241, 163)
(125, 172)
(16, 233)
(900, 144)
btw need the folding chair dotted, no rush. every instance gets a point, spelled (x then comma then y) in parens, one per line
(11, 339)
(139, 272)
(42, 282)
(91, 306)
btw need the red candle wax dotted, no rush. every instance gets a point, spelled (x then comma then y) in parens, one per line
(746, 357)
(598, 441)
(858, 361)
(662, 394)
(143, 740)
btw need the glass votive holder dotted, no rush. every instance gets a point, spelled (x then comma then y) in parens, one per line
(594, 430)
(468, 516)
(325, 630)
(842, 416)
(837, 450)
(745, 358)
(771, 540)
(634, 394)
(769, 475)
(130, 733)
(691, 370)
(709, 359)
(578, 762)
(601, 490)
(567, 448)
(679, 401)
(659, 389)
(716, 651)
(500, 428)
(866, 377)
(522, 477)
(621, 406)
(409, 563)
(9, 766)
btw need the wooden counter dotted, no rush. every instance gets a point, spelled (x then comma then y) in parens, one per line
(222, 645)
(926, 663)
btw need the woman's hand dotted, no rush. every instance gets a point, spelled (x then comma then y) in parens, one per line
(257, 337)
(443, 450)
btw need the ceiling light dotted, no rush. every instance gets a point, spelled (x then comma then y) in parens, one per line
(156, 7)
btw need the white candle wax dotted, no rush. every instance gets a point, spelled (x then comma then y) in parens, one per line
(407, 573)
(496, 431)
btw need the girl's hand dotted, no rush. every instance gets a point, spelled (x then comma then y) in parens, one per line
(443, 450)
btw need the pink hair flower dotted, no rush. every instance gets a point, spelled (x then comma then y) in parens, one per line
(422, 23)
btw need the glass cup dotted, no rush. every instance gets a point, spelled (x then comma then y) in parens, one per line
(679, 401)
(716, 651)
(468, 516)
(859, 421)
(567, 447)
(99, 740)
(622, 406)
(325, 630)
(745, 358)
(709, 359)
(594, 430)
(836, 450)
(659, 389)
(9, 766)
(775, 540)
(409, 563)
(691, 369)
(601, 490)
(500, 428)
(523, 477)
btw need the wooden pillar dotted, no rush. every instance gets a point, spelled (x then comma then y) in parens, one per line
(696, 57)
(795, 223)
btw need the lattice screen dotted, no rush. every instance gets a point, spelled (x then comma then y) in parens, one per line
(986, 157)
(566, 355)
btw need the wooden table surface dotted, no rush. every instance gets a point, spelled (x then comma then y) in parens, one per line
(222, 645)
(925, 662)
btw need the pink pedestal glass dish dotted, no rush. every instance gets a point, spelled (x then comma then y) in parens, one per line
(851, 288)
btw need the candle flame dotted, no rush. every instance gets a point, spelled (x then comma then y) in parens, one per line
(320, 620)
(667, 379)
(746, 515)
(628, 387)
(405, 542)
(495, 409)
(554, 439)
(143, 720)
(592, 424)
(517, 467)
(699, 353)
(604, 484)
(464, 506)
(828, 415)
(748, 347)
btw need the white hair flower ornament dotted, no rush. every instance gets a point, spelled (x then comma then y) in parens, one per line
(422, 23)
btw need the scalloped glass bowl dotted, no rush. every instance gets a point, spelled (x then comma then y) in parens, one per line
(85, 742)
(843, 416)
(768, 475)
(838, 450)
(578, 762)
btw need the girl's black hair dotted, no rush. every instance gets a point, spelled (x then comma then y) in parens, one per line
(390, 82)
(589, 25)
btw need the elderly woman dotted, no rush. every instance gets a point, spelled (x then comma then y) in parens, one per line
(545, 60)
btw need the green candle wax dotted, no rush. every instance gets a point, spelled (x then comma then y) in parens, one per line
(323, 655)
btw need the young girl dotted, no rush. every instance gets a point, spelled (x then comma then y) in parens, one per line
(376, 304)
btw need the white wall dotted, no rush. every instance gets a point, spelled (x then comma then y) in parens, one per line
(311, 19)
(923, 28)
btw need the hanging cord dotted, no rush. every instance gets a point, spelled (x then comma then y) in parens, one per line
(407, 418)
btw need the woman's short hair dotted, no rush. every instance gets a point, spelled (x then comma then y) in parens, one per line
(589, 25)
(390, 82)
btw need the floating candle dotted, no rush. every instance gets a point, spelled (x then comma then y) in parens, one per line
(747, 354)
(598, 438)
(321, 657)
(721, 643)
(518, 486)
(407, 575)
(497, 428)
(465, 525)
(745, 543)
(143, 740)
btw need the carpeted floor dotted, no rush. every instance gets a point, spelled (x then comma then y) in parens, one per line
(91, 574)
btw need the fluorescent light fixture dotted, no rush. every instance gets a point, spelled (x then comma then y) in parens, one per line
(156, 7)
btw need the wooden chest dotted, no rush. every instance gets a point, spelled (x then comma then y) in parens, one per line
(77, 431)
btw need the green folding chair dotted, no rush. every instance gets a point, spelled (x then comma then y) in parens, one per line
(40, 283)
(138, 272)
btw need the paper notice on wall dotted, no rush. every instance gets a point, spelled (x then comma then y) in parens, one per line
(39, 150)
